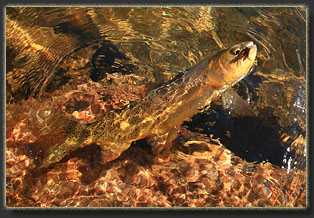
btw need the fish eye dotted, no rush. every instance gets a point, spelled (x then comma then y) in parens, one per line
(235, 51)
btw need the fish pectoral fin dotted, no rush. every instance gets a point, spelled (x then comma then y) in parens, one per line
(111, 151)
(162, 143)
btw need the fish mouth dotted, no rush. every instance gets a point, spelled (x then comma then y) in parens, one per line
(244, 54)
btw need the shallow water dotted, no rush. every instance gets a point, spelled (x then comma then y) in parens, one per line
(81, 62)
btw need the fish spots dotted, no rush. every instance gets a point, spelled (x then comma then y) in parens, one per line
(135, 119)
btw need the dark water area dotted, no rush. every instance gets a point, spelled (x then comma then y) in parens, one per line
(80, 63)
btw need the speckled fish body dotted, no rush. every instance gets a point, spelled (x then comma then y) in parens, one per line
(156, 116)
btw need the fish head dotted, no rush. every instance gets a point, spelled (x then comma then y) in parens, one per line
(232, 64)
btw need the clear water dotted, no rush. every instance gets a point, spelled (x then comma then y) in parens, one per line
(134, 50)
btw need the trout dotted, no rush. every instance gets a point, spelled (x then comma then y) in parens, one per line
(157, 116)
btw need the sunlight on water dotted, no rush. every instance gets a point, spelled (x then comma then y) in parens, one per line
(67, 68)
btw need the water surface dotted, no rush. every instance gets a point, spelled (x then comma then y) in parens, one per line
(79, 63)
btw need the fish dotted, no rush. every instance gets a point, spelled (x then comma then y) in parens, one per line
(158, 115)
